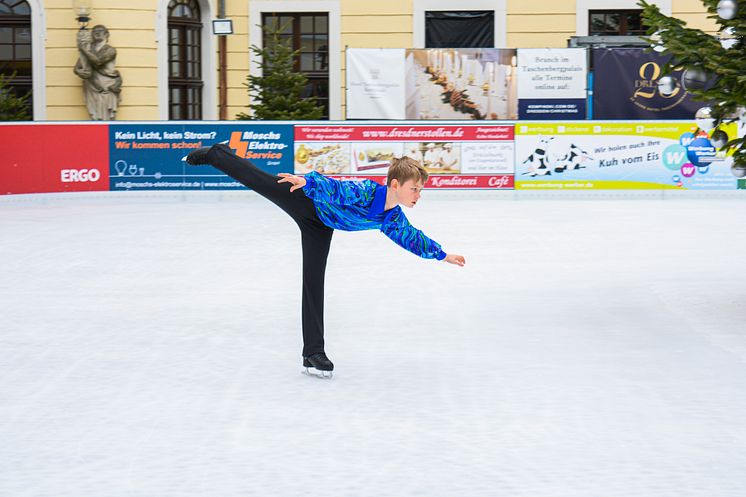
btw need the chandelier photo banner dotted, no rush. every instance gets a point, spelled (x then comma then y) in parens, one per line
(447, 84)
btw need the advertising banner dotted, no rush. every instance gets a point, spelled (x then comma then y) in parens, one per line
(621, 155)
(54, 158)
(625, 86)
(149, 156)
(552, 83)
(462, 83)
(448, 84)
(569, 155)
(375, 83)
(467, 156)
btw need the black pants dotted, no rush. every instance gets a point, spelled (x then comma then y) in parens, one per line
(316, 237)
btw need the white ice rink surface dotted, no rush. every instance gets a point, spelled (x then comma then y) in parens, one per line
(150, 347)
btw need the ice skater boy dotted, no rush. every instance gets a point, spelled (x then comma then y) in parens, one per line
(319, 205)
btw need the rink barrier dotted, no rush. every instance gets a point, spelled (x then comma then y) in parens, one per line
(562, 156)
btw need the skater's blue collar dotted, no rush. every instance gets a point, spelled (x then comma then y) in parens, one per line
(379, 200)
(379, 204)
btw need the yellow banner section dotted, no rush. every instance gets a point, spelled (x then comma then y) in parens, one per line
(592, 185)
(671, 130)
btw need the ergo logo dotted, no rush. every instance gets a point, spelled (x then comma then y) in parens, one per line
(79, 175)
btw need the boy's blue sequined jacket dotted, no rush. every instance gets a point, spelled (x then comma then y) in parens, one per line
(358, 205)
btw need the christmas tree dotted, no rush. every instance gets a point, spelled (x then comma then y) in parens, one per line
(276, 95)
(12, 107)
(717, 68)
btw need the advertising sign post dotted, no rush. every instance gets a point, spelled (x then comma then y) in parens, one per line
(620, 155)
(149, 156)
(552, 83)
(54, 158)
(465, 156)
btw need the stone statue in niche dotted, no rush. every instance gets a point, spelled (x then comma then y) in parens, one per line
(102, 83)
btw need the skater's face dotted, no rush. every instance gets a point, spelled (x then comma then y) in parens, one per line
(407, 193)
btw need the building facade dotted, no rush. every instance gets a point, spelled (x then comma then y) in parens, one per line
(174, 68)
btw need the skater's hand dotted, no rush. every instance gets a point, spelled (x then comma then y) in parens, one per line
(459, 260)
(296, 181)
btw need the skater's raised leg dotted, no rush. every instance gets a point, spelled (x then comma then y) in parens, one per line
(221, 157)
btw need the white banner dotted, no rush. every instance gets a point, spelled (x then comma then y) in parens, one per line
(375, 83)
(552, 73)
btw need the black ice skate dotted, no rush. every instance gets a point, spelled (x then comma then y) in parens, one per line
(197, 157)
(318, 365)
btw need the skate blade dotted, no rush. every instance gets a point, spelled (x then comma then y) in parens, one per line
(183, 159)
(326, 375)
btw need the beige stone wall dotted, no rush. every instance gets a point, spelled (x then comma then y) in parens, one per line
(377, 24)
(695, 15)
(540, 24)
(382, 23)
(238, 57)
(131, 26)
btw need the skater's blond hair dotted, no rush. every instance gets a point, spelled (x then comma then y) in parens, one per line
(405, 168)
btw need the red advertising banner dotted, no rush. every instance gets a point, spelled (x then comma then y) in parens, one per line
(500, 181)
(54, 158)
(403, 133)
(455, 156)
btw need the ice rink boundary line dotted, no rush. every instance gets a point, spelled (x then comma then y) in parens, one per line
(503, 195)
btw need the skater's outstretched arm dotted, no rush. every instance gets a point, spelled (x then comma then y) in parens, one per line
(401, 232)
(396, 226)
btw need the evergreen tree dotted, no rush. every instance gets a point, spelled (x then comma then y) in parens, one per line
(721, 60)
(12, 107)
(276, 94)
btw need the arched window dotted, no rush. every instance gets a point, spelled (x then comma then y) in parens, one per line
(184, 60)
(15, 45)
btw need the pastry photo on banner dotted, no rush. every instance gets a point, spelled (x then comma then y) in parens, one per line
(461, 83)
(322, 157)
